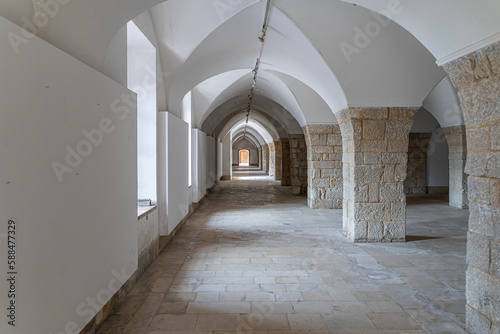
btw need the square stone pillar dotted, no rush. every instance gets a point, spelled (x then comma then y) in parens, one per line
(416, 175)
(324, 166)
(298, 164)
(457, 143)
(285, 163)
(264, 158)
(375, 158)
(272, 160)
(477, 79)
(277, 160)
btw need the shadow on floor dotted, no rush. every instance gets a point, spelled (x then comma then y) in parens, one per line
(413, 238)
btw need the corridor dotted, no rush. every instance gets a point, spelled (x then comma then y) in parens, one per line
(255, 259)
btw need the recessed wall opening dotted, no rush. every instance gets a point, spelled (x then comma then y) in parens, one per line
(244, 158)
(141, 79)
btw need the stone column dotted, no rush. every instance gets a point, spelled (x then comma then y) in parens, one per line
(271, 160)
(265, 165)
(457, 144)
(477, 79)
(416, 175)
(277, 160)
(324, 166)
(375, 159)
(285, 163)
(298, 164)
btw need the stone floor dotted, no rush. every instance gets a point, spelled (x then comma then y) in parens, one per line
(254, 259)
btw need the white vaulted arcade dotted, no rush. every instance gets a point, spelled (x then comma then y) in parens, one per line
(121, 119)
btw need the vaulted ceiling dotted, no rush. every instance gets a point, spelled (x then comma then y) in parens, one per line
(318, 57)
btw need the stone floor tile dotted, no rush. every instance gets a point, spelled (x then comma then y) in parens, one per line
(219, 307)
(264, 321)
(312, 307)
(260, 297)
(306, 321)
(368, 296)
(218, 322)
(396, 321)
(169, 322)
(173, 307)
(288, 269)
(342, 321)
(316, 296)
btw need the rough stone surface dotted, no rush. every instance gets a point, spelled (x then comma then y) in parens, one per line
(477, 79)
(375, 142)
(298, 164)
(416, 177)
(272, 160)
(324, 159)
(278, 160)
(265, 158)
(285, 163)
(457, 143)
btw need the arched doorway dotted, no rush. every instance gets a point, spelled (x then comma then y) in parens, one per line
(244, 158)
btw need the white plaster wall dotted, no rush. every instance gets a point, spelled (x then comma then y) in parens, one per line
(199, 164)
(175, 144)
(424, 122)
(220, 159)
(211, 162)
(437, 160)
(162, 172)
(444, 105)
(76, 239)
(227, 169)
(148, 230)
(115, 61)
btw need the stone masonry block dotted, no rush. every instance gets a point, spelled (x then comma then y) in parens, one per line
(495, 136)
(374, 193)
(362, 193)
(478, 139)
(320, 183)
(314, 128)
(369, 113)
(369, 212)
(360, 231)
(392, 192)
(374, 129)
(322, 149)
(394, 158)
(398, 212)
(478, 251)
(375, 231)
(395, 231)
(323, 164)
(400, 172)
(402, 114)
(372, 158)
(482, 190)
(397, 130)
(494, 257)
(480, 220)
(397, 146)
(374, 146)
(476, 322)
(495, 193)
(368, 173)
(334, 140)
